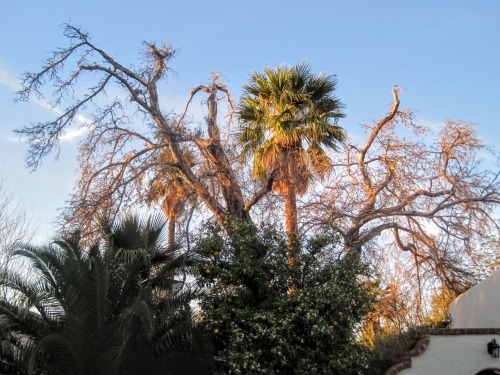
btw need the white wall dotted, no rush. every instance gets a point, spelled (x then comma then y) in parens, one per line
(466, 354)
(479, 307)
(454, 355)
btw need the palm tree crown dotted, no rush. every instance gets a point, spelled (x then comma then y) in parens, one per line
(287, 115)
(170, 188)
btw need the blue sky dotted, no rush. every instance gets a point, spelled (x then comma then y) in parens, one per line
(444, 53)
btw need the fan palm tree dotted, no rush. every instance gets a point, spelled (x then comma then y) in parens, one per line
(288, 116)
(171, 189)
(173, 193)
(98, 310)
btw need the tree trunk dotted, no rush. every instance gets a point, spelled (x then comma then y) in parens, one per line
(352, 242)
(291, 226)
(171, 232)
(292, 232)
(171, 210)
(229, 183)
(172, 218)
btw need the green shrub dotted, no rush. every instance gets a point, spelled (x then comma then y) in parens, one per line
(257, 326)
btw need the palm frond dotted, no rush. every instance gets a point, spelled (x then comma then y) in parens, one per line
(289, 107)
(57, 354)
(77, 307)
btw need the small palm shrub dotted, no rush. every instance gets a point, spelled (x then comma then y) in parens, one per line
(112, 308)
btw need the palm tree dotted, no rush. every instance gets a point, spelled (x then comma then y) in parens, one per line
(171, 189)
(98, 310)
(287, 117)
(173, 193)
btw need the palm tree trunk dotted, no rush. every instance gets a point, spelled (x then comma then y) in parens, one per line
(291, 225)
(171, 232)
(170, 254)
(292, 232)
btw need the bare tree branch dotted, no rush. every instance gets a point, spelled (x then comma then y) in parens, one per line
(435, 200)
(129, 136)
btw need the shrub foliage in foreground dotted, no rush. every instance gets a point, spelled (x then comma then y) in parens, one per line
(113, 308)
(257, 327)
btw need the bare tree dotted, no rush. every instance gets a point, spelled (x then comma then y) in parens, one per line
(433, 200)
(16, 225)
(16, 222)
(129, 134)
(407, 294)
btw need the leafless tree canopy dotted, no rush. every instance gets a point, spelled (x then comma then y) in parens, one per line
(130, 132)
(428, 197)
(16, 224)
(431, 200)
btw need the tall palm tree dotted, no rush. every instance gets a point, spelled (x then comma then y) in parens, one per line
(173, 193)
(170, 188)
(97, 310)
(288, 116)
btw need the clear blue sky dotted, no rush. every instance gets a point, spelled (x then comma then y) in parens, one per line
(446, 54)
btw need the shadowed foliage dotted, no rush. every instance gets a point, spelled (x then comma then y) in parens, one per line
(106, 309)
(258, 327)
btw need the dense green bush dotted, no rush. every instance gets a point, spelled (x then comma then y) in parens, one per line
(257, 326)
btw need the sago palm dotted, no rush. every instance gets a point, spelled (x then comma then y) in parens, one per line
(288, 116)
(98, 310)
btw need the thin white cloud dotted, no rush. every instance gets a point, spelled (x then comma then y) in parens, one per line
(75, 133)
(432, 124)
(45, 104)
(13, 138)
(9, 81)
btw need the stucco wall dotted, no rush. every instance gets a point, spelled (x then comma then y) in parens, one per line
(479, 307)
(454, 355)
(461, 349)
